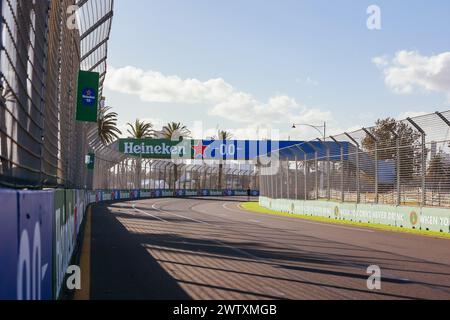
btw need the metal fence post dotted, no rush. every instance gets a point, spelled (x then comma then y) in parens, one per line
(423, 160)
(306, 173)
(328, 175)
(342, 176)
(316, 178)
(275, 177)
(296, 178)
(341, 147)
(272, 187)
(358, 176)
(398, 162)
(288, 180)
(376, 173)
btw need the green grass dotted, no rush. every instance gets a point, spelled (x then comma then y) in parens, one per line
(256, 208)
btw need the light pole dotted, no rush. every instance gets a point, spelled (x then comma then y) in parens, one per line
(318, 128)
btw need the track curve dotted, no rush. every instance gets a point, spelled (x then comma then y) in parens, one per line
(209, 248)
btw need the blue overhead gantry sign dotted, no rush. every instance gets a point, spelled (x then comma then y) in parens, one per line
(252, 149)
(238, 149)
(230, 149)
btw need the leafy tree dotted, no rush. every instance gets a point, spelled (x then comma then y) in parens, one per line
(385, 132)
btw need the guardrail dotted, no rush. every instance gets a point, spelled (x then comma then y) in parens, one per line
(414, 218)
(39, 231)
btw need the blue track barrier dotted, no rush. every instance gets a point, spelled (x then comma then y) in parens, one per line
(39, 231)
(9, 243)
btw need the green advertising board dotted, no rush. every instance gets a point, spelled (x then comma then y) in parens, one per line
(90, 161)
(87, 96)
(156, 148)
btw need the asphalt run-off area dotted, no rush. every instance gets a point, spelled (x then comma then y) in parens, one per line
(211, 248)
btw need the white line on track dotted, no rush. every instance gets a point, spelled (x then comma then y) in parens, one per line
(177, 215)
(306, 221)
(232, 210)
(253, 257)
(148, 214)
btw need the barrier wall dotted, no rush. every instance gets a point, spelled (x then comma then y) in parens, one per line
(39, 231)
(430, 219)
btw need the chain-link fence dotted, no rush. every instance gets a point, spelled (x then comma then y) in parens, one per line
(149, 174)
(394, 163)
(41, 144)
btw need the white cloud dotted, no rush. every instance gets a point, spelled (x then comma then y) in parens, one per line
(153, 86)
(222, 99)
(409, 71)
(381, 61)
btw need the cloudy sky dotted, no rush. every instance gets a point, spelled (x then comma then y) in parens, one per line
(254, 66)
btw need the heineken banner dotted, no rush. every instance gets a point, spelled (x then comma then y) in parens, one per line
(156, 149)
(200, 149)
(87, 98)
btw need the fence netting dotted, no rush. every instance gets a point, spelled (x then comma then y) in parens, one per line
(40, 54)
(130, 173)
(404, 162)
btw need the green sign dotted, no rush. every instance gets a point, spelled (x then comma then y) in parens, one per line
(87, 96)
(90, 161)
(156, 149)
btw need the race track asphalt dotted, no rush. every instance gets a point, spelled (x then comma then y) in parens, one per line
(209, 248)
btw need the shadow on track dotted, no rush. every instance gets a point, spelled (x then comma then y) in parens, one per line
(121, 268)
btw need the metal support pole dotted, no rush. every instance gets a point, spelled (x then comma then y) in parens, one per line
(316, 171)
(342, 167)
(316, 178)
(159, 178)
(211, 178)
(296, 178)
(165, 177)
(205, 178)
(288, 180)
(376, 173)
(342, 175)
(276, 184)
(272, 189)
(398, 162)
(153, 174)
(185, 178)
(281, 182)
(328, 174)
(358, 176)
(424, 170)
(306, 169)
(377, 183)
(424, 158)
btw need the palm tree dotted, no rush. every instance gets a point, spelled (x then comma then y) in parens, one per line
(141, 130)
(175, 131)
(107, 126)
(222, 135)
